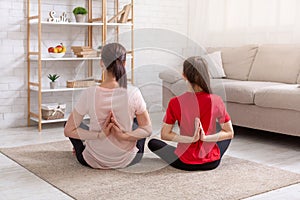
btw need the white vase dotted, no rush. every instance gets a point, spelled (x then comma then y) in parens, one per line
(53, 85)
(80, 18)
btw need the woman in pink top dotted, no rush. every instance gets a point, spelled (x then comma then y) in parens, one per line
(112, 108)
(199, 145)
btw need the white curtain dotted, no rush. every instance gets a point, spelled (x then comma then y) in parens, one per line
(239, 22)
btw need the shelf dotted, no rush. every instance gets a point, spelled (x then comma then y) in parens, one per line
(62, 89)
(119, 24)
(49, 121)
(68, 23)
(54, 120)
(63, 59)
(69, 58)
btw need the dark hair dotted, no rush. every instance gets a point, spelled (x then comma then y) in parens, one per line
(113, 56)
(196, 72)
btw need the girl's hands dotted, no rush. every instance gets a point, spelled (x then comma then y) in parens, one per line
(196, 136)
(199, 133)
(202, 134)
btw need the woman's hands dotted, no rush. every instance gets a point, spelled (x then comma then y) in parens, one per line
(108, 124)
(116, 130)
(111, 126)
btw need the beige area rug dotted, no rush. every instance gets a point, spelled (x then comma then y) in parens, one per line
(233, 179)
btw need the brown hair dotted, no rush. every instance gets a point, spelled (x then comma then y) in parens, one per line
(196, 72)
(113, 56)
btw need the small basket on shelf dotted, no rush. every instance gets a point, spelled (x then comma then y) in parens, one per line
(53, 111)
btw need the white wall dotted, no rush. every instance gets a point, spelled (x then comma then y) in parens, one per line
(161, 29)
(13, 98)
(236, 22)
(163, 14)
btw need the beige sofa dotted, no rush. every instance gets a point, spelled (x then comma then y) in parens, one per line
(261, 87)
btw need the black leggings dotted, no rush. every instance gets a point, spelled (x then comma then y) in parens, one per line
(166, 152)
(79, 147)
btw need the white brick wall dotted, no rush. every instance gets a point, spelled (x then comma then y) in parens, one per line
(12, 65)
(163, 14)
(155, 54)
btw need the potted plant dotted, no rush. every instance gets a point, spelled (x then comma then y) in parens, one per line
(99, 49)
(80, 14)
(53, 78)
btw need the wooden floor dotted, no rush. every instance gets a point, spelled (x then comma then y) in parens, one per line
(271, 149)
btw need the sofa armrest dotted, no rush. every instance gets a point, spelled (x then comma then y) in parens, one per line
(170, 76)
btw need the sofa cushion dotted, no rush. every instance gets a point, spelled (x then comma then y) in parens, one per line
(243, 92)
(237, 61)
(179, 87)
(279, 63)
(285, 96)
(215, 65)
(218, 87)
(170, 76)
(219, 83)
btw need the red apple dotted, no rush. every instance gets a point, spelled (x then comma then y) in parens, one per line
(51, 49)
(59, 48)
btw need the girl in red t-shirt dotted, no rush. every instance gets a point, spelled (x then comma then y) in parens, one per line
(198, 113)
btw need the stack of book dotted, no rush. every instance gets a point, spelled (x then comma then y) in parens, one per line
(84, 52)
(80, 83)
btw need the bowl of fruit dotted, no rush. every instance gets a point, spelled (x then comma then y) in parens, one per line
(58, 51)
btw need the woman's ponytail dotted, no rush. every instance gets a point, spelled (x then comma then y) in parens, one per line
(114, 57)
(120, 73)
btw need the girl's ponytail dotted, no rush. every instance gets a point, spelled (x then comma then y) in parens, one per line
(196, 72)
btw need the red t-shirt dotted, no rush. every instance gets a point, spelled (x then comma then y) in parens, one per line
(184, 109)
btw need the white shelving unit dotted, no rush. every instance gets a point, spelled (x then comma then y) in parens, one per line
(36, 86)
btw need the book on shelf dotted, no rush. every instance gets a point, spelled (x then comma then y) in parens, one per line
(122, 16)
(87, 56)
(80, 48)
(78, 83)
(125, 15)
(84, 51)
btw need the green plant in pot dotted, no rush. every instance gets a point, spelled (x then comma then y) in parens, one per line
(99, 49)
(80, 14)
(53, 78)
